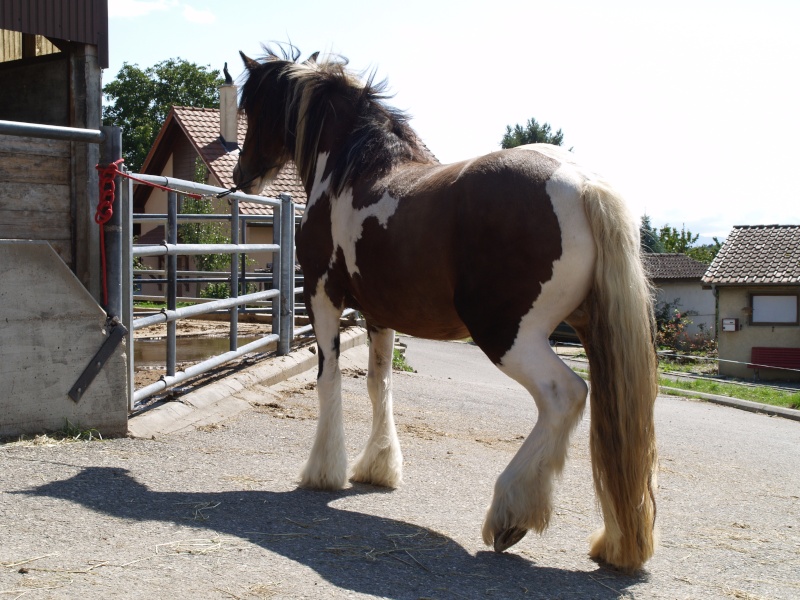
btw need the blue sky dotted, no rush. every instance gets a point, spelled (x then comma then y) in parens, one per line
(690, 108)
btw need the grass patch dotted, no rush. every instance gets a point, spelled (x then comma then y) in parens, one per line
(69, 433)
(762, 394)
(754, 393)
(159, 305)
(399, 362)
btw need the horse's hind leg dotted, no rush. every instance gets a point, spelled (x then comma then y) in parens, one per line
(522, 497)
(381, 462)
(327, 465)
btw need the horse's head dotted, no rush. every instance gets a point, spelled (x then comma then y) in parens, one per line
(265, 150)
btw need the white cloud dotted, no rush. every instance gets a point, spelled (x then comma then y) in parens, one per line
(136, 8)
(200, 16)
(142, 8)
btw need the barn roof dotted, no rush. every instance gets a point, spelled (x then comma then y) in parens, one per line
(758, 254)
(84, 21)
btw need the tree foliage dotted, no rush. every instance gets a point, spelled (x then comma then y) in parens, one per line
(675, 241)
(531, 133)
(669, 239)
(207, 232)
(648, 237)
(140, 99)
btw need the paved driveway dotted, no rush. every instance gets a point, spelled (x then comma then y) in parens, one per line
(215, 513)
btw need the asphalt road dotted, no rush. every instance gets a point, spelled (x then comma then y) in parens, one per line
(215, 512)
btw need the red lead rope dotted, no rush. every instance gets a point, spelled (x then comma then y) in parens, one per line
(105, 208)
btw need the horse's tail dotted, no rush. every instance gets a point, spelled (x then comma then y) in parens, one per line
(624, 384)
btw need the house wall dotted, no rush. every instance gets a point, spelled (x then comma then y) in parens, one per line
(157, 204)
(734, 302)
(260, 234)
(691, 296)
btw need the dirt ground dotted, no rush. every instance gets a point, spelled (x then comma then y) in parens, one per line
(201, 328)
(215, 512)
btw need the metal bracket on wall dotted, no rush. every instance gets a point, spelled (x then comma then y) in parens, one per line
(116, 331)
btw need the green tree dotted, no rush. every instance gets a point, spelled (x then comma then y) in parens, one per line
(675, 241)
(706, 252)
(684, 241)
(648, 237)
(206, 232)
(139, 101)
(531, 133)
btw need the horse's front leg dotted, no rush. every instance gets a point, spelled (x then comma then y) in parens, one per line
(327, 465)
(381, 462)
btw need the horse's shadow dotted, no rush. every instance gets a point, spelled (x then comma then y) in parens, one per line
(353, 551)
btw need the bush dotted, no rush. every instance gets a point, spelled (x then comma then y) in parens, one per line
(216, 290)
(671, 331)
(223, 290)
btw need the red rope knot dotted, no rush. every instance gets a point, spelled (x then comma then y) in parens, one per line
(105, 205)
(105, 208)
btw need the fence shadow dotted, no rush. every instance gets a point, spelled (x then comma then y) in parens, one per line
(353, 551)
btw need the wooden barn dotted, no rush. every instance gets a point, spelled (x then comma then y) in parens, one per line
(51, 56)
(50, 74)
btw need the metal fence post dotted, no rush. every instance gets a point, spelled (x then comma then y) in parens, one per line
(112, 230)
(234, 312)
(127, 277)
(287, 275)
(172, 280)
(276, 271)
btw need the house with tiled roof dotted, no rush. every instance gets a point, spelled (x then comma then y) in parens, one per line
(206, 141)
(756, 278)
(677, 279)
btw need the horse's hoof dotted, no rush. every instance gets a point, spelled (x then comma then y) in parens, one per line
(505, 539)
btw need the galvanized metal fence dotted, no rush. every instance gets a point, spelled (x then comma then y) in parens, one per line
(118, 252)
(281, 296)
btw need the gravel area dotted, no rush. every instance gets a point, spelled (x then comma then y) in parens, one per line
(215, 512)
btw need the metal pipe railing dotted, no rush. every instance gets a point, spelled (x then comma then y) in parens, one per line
(281, 299)
(204, 189)
(196, 310)
(202, 367)
(167, 249)
(52, 132)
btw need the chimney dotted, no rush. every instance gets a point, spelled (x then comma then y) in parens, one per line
(228, 113)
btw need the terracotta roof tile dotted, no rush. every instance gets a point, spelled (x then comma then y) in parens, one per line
(201, 126)
(758, 254)
(672, 266)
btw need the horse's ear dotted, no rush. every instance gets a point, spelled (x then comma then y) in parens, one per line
(312, 60)
(248, 62)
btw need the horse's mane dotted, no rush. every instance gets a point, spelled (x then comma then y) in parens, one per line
(319, 92)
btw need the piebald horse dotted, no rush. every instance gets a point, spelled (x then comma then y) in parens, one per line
(501, 248)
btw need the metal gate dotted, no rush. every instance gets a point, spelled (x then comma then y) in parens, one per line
(281, 306)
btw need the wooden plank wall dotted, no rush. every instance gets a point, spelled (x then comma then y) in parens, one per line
(35, 192)
(11, 45)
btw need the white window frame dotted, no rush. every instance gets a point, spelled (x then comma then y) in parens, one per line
(774, 309)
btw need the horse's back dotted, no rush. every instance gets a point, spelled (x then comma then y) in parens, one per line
(470, 242)
(527, 248)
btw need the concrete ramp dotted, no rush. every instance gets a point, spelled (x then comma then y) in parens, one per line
(50, 328)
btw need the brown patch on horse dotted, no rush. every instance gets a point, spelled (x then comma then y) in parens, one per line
(501, 277)
(432, 271)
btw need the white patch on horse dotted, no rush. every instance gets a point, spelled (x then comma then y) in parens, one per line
(347, 223)
(319, 185)
(327, 464)
(573, 272)
(523, 493)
